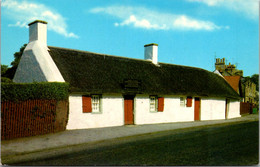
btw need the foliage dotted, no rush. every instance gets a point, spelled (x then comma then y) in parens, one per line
(9, 72)
(6, 80)
(4, 68)
(254, 78)
(40, 90)
(17, 56)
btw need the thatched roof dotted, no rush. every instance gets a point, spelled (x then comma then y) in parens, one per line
(89, 72)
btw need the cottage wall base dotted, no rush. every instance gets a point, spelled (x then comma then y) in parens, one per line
(234, 109)
(213, 109)
(173, 112)
(111, 113)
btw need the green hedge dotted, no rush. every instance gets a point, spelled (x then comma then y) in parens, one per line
(26, 91)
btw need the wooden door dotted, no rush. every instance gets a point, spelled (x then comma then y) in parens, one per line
(129, 110)
(227, 108)
(197, 109)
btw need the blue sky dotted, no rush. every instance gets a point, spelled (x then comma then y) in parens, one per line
(189, 32)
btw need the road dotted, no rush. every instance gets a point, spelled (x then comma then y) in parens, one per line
(235, 144)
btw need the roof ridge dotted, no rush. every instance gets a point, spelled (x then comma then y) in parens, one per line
(102, 54)
(199, 68)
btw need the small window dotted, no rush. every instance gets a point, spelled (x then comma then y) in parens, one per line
(156, 104)
(182, 101)
(91, 104)
(153, 104)
(95, 100)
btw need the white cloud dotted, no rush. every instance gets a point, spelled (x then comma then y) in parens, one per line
(18, 24)
(247, 7)
(24, 12)
(187, 23)
(208, 2)
(143, 23)
(140, 17)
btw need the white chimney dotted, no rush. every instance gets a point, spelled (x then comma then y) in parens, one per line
(151, 52)
(38, 31)
(36, 63)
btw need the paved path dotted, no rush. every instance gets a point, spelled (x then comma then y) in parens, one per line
(30, 148)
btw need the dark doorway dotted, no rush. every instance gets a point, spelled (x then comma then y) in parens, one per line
(197, 109)
(129, 110)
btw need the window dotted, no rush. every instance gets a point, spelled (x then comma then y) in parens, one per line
(91, 104)
(153, 104)
(156, 104)
(95, 99)
(182, 101)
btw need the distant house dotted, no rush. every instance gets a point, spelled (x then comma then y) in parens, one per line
(227, 70)
(235, 83)
(114, 91)
(245, 88)
(250, 93)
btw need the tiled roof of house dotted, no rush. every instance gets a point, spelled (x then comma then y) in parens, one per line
(89, 72)
(233, 81)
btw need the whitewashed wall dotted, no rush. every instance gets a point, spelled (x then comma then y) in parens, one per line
(36, 64)
(234, 109)
(112, 113)
(181, 114)
(173, 112)
(212, 108)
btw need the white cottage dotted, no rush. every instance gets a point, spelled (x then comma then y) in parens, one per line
(114, 91)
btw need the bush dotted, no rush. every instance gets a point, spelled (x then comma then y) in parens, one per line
(6, 80)
(29, 91)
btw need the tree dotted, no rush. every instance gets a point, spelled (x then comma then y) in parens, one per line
(9, 73)
(4, 79)
(17, 56)
(255, 79)
(4, 68)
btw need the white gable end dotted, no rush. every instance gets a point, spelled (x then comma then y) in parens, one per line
(36, 64)
(217, 72)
